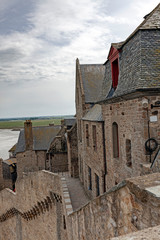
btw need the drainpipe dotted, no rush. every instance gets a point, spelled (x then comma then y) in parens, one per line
(104, 156)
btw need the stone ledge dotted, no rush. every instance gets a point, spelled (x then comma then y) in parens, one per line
(146, 234)
(66, 197)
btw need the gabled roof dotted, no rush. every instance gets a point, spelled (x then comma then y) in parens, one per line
(92, 77)
(141, 83)
(69, 121)
(10, 161)
(13, 148)
(42, 137)
(94, 114)
(151, 21)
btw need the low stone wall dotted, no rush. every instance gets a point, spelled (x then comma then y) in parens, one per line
(59, 162)
(146, 234)
(35, 211)
(128, 207)
(30, 161)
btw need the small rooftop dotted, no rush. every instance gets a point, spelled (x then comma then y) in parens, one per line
(94, 114)
(42, 137)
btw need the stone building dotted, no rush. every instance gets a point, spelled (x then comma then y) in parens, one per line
(32, 147)
(112, 135)
(89, 80)
(117, 111)
(57, 153)
(72, 150)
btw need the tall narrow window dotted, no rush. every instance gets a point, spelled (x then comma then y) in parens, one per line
(89, 178)
(128, 153)
(87, 135)
(94, 137)
(115, 140)
(97, 185)
(115, 73)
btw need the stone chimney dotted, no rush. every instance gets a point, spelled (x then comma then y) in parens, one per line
(28, 135)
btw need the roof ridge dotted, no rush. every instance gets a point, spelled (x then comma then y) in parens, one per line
(146, 18)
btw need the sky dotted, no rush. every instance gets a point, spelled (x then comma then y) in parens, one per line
(40, 41)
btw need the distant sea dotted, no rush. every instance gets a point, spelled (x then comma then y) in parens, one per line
(7, 139)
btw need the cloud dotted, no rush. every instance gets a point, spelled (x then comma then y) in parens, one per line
(40, 41)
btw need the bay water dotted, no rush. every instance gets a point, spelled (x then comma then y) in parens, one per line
(7, 139)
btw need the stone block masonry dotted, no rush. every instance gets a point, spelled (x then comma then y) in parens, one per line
(134, 128)
(131, 206)
(35, 211)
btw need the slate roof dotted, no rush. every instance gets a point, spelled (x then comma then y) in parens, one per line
(146, 80)
(69, 121)
(10, 161)
(94, 114)
(13, 148)
(92, 78)
(42, 137)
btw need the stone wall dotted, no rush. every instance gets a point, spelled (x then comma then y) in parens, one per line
(147, 234)
(131, 206)
(72, 150)
(35, 211)
(59, 162)
(132, 120)
(93, 155)
(30, 161)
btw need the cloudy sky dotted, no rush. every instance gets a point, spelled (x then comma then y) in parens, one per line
(40, 41)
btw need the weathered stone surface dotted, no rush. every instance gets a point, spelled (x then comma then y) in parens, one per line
(123, 209)
(35, 211)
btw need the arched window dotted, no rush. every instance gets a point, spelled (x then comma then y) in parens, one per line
(115, 140)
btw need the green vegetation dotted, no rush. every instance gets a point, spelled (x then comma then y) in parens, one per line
(15, 124)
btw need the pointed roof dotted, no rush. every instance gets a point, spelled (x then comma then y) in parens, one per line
(151, 21)
(42, 137)
(92, 77)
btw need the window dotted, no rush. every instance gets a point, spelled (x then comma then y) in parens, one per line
(94, 137)
(128, 153)
(87, 135)
(115, 73)
(115, 140)
(97, 185)
(90, 178)
(114, 60)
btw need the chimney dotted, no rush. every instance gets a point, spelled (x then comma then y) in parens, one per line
(28, 135)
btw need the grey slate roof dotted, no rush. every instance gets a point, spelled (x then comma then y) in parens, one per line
(145, 71)
(94, 114)
(92, 78)
(42, 137)
(69, 121)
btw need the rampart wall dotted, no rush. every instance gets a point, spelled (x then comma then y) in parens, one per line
(35, 211)
(128, 207)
